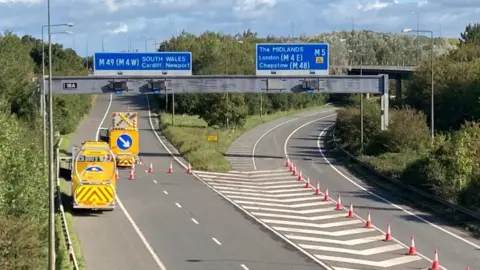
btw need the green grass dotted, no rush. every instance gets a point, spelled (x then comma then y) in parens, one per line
(189, 136)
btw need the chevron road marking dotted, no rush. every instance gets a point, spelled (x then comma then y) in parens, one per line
(258, 172)
(298, 205)
(351, 242)
(338, 215)
(318, 232)
(307, 211)
(382, 264)
(264, 177)
(343, 268)
(263, 189)
(248, 180)
(311, 198)
(264, 195)
(256, 185)
(314, 225)
(365, 252)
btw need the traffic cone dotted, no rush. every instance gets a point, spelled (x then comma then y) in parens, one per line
(307, 185)
(317, 190)
(294, 171)
(350, 211)
(412, 250)
(339, 203)
(325, 198)
(150, 168)
(369, 221)
(287, 163)
(388, 235)
(170, 169)
(117, 175)
(299, 178)
(189, 169)
(435, 265)
(132, 174)
(291, 167)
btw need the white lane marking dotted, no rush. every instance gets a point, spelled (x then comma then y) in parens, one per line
(230, 200)
(332, 216)
(256, 185)
(302, 212)
(382, 264)
(272, 184)
(302, 193)
(216, 241)
(124, 210)
(166, 193)
(351, 242)
(155, 181)
(385, 200)
(364, 252)
(178, 205)
(244, 267)
(264, 189)
(309, 198)
(327, 233)
(313, 225)
(343, 268)
(298, 205)
(257, 172)
(277, 126)
(194, 221)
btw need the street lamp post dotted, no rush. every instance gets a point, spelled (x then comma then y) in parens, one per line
(432, 105)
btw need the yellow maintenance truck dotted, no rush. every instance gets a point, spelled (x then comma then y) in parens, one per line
(123, 138)
(93, 176)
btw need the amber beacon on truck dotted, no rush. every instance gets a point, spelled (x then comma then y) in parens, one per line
(123, 138)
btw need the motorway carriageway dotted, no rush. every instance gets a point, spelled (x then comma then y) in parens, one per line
(284, 205)
(171, 221)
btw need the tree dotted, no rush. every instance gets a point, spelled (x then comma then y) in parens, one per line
(471, 35)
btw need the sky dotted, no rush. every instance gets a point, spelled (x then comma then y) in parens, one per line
(116, 22)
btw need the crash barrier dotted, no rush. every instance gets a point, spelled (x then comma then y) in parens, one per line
(66, 232)
(404, 186)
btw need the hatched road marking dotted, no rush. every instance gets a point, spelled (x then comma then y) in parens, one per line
(279, 200)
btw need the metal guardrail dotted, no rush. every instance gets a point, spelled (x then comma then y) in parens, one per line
(403, 185)
(66, 232)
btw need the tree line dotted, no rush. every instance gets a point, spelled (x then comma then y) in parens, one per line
(217, 54)
(447, 166)
(24, 177)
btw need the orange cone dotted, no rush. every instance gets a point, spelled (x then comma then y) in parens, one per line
(369, 221)
(291, 166)
(117, 175)
(287, 163)
(189, 169)
(150, 168)
(325, 198)
(435, 265)
(307, 185)
(294, 171)
(412, 250)
(350, 211)
(132, 174)
(299, 178)
(170, 169)
(388, 235)
(317, 190)
(339, 203)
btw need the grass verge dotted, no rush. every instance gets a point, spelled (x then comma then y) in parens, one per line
(63, 257)
(189, 136)
(417, 201)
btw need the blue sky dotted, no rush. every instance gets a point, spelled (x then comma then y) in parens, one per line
(118, 21)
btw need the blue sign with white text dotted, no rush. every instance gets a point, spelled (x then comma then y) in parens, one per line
(292, 59)
(133, 63)
(124, 142)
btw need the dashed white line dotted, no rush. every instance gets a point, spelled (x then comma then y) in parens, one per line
(244, 266)
(166, 193)
(155, 181)
(194, 221)
(216, 241)
(178, 205)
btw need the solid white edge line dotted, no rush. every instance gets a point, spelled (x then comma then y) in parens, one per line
(216, 241)
(194, 220)
(277, 126)
(228, 199)
(318, 146)
(124, 210)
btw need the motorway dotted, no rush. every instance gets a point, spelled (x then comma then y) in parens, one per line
(286, 206)
(171, 221)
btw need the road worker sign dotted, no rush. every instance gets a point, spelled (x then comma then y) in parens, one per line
(124, 120)
(124, 141)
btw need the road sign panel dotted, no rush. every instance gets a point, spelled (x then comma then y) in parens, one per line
(124, 142)
(132, 63)
(125, 120)
(292, 59)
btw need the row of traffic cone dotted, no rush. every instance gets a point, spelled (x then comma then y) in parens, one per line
(388, 235)
(150, 170)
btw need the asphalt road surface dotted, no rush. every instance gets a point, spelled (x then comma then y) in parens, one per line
(171, 221)
(284, 204)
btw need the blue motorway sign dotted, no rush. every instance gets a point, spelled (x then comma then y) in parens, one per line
(133, 63)
(292, 59)
(124, 142)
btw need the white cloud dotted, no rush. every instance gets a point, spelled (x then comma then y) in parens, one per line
(118, 21)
